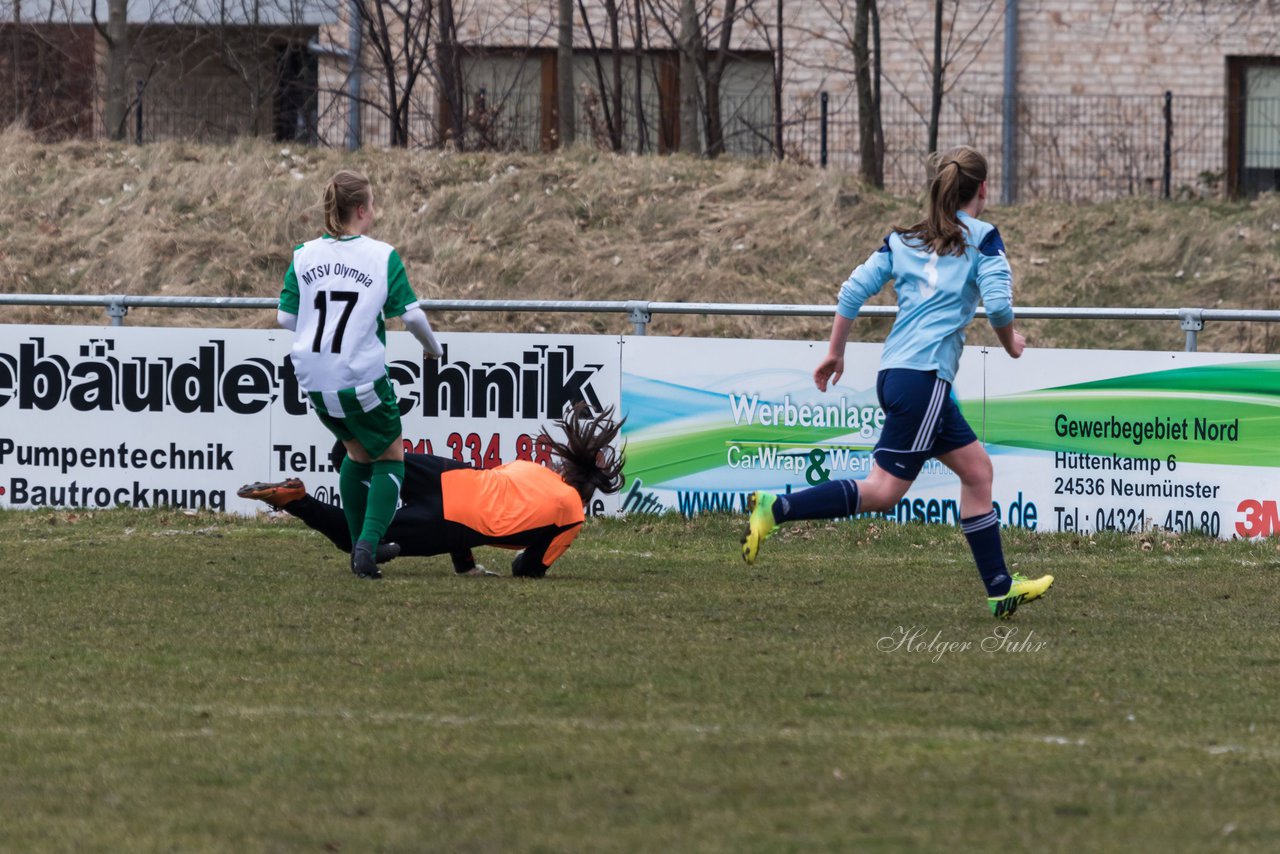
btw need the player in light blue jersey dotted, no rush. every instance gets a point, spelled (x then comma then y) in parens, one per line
(941, 267)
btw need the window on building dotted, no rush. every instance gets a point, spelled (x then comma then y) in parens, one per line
(746, 106)
(594, 107)
(511, 101)
(295, 96)
(502, 100)
(1253, 132)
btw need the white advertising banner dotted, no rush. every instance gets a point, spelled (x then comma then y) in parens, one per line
(1117, 440)
(100, 416)
(1080, 440)
(96, 417)
(709, 421)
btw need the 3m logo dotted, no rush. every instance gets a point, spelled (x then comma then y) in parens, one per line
(1261, 518)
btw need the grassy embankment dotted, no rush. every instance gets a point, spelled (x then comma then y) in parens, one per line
(218, 221)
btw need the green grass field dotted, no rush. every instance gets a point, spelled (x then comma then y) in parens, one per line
(192, 683)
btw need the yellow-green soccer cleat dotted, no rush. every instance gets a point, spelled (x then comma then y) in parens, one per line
(760, 524)
(1022, 590)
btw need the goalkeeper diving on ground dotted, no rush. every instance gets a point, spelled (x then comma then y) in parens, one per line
(450, 508)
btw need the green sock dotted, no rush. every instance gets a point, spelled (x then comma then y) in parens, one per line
(384, 495)
(352, 486)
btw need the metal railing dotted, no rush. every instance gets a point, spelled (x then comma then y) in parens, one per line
(640, 312)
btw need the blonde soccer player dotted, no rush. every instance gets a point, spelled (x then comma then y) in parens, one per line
(941, 267)
(338, 293)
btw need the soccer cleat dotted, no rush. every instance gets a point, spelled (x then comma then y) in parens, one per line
(463, 560)
(386, 552)
(363, 563)
(1021, 590)
(760, 524)
(275, 494)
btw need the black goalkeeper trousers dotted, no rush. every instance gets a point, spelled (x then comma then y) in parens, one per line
(418, 525)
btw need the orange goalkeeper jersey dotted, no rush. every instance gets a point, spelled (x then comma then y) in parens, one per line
(517, 498)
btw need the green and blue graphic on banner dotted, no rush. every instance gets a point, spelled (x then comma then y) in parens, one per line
(1112, 441)
(701, 437)
(1194, 413)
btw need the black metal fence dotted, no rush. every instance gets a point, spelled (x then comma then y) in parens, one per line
(1069, 147)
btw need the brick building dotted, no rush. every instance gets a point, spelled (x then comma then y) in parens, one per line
(200, 69)
(1087, 116)
(1090, 78)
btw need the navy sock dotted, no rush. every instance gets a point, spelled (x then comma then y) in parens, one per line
(834, 499)
(983, 534)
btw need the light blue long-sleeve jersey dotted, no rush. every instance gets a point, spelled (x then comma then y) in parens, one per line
(937, 296)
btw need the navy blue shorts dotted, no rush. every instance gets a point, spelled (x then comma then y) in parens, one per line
(922, 420)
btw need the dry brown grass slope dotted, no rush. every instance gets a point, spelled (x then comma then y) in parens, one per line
(219, 221)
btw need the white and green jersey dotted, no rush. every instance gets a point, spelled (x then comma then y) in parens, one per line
(342, 290)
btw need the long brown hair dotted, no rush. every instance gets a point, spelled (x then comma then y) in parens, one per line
(587, 463)
(345, 192)
(960, 172)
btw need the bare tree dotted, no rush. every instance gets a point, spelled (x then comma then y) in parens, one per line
(867, 80)
(615, 44)
(638, 36)
(255, 42)
(778, 70)
(611, 104)
(773, 35)
(116, 103)
(702, 73)
(120, 38)
(400, 35)
(44, 85)
(1224, 18)
(954, 45)
(412, 40)
(447, 71)
(564, 74)
(714, 76)
(690, 42)
(937, 70)
(15, 61)
(853, 28)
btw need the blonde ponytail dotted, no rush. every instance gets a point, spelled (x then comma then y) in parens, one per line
(345, 192)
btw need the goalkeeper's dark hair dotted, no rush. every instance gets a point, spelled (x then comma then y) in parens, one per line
(585, 462)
